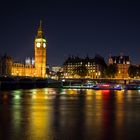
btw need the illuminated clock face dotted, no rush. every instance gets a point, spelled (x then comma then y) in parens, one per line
(38, 44)
(44, 45)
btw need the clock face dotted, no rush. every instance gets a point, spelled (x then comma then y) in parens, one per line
(38, 44)
(44, 45)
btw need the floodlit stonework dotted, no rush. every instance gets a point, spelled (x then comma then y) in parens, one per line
(37, 69)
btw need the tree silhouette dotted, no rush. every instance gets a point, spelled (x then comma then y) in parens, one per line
(134, 71)
(111, 70)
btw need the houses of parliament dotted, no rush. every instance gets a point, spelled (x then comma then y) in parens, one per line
(36, 69)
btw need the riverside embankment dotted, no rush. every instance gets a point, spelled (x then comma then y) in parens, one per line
(8, 83)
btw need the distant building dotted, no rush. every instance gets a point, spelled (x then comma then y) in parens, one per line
(6, 63)
(95, 66)
(123, 63)
(31, 67)
(56, 69)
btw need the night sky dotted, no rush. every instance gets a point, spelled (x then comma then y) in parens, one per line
(72, 27)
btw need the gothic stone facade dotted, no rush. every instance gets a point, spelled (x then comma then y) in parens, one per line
(123, 63)
(9, 68)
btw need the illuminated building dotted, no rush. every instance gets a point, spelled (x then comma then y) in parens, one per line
(29, 60)
(40, 53)
(123, 63)
(56, 69)
(94, 66)
(31, 67)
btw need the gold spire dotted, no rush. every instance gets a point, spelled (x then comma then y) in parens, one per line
(40, 30)
(40, 25)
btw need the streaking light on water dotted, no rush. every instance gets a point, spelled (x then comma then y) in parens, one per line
(46, 91)
(72, 91)
(90, 92)
(51, 91)
(34, 96)
(17, 92)
(34, 91)
(17, 96)
(63, 91)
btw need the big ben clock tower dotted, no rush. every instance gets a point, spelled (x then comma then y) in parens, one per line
(40, 53)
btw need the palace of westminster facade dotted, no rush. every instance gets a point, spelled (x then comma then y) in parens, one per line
(37, 69)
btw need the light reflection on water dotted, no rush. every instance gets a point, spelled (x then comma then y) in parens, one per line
(49, 114)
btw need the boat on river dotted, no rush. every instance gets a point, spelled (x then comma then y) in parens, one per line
(95, 86)
(110, 86)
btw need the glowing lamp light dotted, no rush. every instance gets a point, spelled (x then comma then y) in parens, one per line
(63, 80)
(105, 85)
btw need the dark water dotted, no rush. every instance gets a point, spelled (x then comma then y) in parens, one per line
(58, 114)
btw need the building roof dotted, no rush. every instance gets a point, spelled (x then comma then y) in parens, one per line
(96, 60)
(120, 59)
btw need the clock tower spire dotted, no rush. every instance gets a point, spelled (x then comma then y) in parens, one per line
(40, 53)
(40, 30)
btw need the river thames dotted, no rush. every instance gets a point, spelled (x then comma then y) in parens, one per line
(62, 114)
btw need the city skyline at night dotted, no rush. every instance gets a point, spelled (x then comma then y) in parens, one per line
(72, 28)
